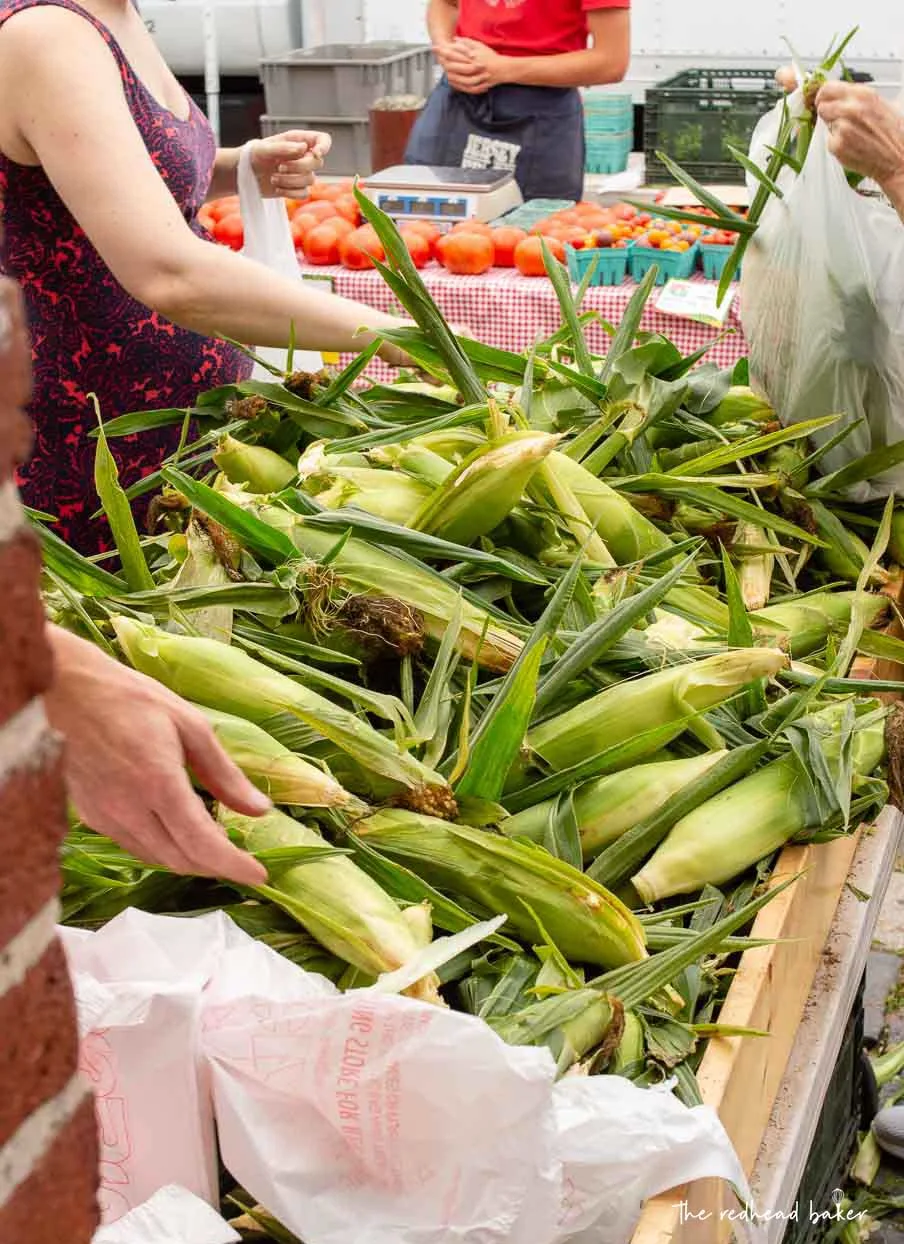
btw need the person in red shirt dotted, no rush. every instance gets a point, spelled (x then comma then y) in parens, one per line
(509, 97)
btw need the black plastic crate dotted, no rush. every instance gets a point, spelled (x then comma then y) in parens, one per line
(848, 1108)
(695, 116)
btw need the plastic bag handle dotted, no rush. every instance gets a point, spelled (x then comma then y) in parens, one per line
(268, 238)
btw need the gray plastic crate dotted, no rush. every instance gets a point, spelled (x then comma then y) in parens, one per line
(350, 153)
(344, 79)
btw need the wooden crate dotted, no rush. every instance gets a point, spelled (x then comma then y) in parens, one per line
(740, 1077)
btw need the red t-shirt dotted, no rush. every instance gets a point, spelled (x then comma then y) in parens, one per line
(530, 27)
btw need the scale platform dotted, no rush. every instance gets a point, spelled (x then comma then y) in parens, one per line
(443, 195)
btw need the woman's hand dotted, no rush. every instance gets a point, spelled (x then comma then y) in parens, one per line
(128, 743)
(285, 164)
(866, 133)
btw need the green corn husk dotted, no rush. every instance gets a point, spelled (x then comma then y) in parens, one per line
(417, 461)
(755, 570)
(785, 460)
(807, 623)
(204, 567)
(741, 404)
(844, 554)
(633, 708)
(334, 900)
(519, 880)
(632, 1048)
(372, 571)
(224, 678)
(390, 495)
(609, 806)
(571, 1025)
(483, 491)
(258, 468)
(745, 823)
(896, 539)
(627, 534)
(279, 773)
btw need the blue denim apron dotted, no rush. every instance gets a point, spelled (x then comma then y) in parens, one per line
(537, 132)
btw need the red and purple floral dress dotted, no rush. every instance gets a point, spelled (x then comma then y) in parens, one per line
(88, 334)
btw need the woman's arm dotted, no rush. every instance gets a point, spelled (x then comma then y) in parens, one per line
(128, 743)
(442, 22)
(61, 90)
(474, 68)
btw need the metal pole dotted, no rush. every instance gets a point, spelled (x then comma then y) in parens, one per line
(211, 68)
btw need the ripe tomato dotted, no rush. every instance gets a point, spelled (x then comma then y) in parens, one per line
(467, 254)
(325, 191)
(323, 209)
(301, 225)
(471, 227)
(624, 211)
(230, 231)
(347, 205)
(427, 229)
(529, 255)
(321, 245)
(544, 227)
(227, 206)
(575, 235)
(340, 226)
(505, 239)
(419, 247)
(206, 219)
(360, 247)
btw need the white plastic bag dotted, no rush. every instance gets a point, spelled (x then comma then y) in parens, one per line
(138, 985)
(268, 240)
(401, 1123)
(171, 1216)
(822, 306)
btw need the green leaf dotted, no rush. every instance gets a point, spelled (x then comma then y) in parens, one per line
(80, 573)
(756, 172)
(562, 833)
(142, 421)
(624, 339)
(562, 287)
(264, 541)
(116, 506)
(706, 197)
(496, 742)
(750, 447)
(866, 467)
(740, 627)
(415, 298)
(348, 376)
(592, 644)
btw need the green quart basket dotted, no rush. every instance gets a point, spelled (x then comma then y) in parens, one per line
(608, 114)
(608, 153)
(713, 260)
(672, 265)
(610, 264)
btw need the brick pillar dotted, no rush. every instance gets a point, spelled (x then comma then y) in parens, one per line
(48, 1144)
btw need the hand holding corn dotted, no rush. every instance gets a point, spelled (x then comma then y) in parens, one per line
(128, 742)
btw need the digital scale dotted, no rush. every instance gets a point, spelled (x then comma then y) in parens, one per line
(443, 195)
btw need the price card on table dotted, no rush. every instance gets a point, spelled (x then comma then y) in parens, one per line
(695, 300)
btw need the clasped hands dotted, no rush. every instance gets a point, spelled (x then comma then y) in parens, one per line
(472, 67)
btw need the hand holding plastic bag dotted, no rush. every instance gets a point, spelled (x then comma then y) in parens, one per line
(268, 240)
(822, 306)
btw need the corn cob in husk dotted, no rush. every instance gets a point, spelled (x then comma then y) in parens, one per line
(807, 623)
(608, 807)
(585, 921)
(206, 565)
(279, 773)
(334, 900)
(747, 822)
(255, 466)
(631, 709)
(220, 677)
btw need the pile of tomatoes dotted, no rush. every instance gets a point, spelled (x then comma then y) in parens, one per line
(327, 230)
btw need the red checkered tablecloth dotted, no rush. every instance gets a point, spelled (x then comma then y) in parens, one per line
(510, 311)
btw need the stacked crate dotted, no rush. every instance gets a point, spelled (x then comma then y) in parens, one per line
(608, 131)
(333, 88)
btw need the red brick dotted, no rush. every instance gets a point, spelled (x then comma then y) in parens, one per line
(39, 1054)
(26, 667)
(57, 1204)
(32, 826)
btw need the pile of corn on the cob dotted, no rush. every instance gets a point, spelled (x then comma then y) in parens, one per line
(568, 638)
